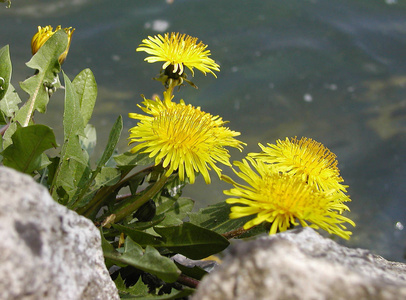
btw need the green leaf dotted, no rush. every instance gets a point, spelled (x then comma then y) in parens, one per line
(145, 225)
(108, 249)
(142, 238)
(216, 217)
(192, 241)
(107, 177)
(139, 289)
(174, 210)
(86, 88)
(175, 186)
(112, 142)
(149, 261)
(130, 160)
(38, 85)
(194, 272)
(72, 121)
(88, 142)
(7, 141)
(3, 119)
(5, 70)
(108, 152)
(175, 294)
(73, 171)
(9, 104)
(25, 154)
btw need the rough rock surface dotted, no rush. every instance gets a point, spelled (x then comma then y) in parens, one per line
(46, 250)
(301, 264)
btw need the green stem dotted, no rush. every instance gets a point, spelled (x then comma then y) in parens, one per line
(99, 197)
(170, 89)
(129, 208)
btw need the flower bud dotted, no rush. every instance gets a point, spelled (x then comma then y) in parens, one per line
(44, 33)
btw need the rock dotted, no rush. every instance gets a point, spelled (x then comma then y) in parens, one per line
(301, 264)
(46, 250)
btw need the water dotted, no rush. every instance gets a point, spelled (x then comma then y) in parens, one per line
(331, 70)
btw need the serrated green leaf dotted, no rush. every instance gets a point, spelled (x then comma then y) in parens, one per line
(216, 217)
(73, 171)
(25, 154)
(175, 294)
(149, 261)
(139, 289)
(175, 210)
(72, 121)
(5, 70)
(130, 160)
(108, 152)
(192, 241)
(88, 142)
(38, 85)
(106, 246)
(9, 104)
(86, 88)
(3, 119)
(107, 177)
(175, 186)
(7, 141)
(180, 207)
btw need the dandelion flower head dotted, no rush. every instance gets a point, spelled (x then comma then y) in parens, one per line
(306, 158)
(283, 200)
(44, 33)
(182, 137)
(177, 51)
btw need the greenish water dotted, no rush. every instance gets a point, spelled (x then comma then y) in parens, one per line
(331, 70)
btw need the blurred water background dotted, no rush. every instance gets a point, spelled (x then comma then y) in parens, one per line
(332, 70)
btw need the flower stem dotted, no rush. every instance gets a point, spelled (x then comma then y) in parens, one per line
(188, 281)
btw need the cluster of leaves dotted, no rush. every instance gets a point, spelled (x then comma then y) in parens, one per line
(141, 243)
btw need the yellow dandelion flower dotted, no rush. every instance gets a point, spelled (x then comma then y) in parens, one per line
(44, 33)
(183, 137)
(306, 158)
(178, 51)
(283, 200)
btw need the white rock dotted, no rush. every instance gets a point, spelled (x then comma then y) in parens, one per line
(46, 250)
(301, 264)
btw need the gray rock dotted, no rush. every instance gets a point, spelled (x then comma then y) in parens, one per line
(301, 264)
(46, 250)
